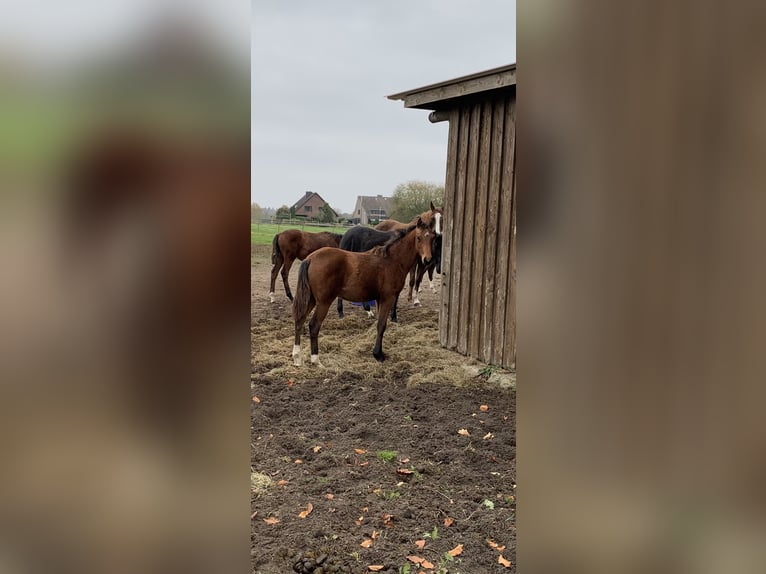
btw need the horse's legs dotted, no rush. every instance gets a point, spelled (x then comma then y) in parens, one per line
(383, 310)
(412, 281)
(299, 322)
(285, 274)
(394, 318)
(314, 325)
(340, 308)
(366, 307)
(418, 279)
(274, 273)
(431, 279)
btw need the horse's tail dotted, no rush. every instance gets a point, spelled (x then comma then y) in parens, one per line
(276, 254)
(303, 295)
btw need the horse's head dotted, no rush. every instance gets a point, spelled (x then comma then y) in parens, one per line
(437, 215)
(424, 240)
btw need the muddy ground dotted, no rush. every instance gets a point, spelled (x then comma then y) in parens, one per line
(414, 457)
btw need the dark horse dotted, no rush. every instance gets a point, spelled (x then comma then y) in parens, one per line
(293, 244)
(419, 270)
(361, 238)
(376, 274)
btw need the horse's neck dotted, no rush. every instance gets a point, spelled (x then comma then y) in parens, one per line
(403, 251)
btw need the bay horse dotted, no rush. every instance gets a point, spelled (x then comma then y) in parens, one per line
(433, 217)
(292, 244)
(361, 238)
(419, 270)
(376, 274)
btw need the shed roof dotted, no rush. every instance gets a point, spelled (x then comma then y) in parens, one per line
(443, 95)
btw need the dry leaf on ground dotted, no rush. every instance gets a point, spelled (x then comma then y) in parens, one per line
(484, 408)
(495, 546)
(360, 451)
(464, 432)
(420, 543)
(366, 543)
(448, 521)
(271, 520)
(456, 551)
(317, 448)
(503, 561)
(329, 496)
(305, 513)
(256, 399)
(375, 567)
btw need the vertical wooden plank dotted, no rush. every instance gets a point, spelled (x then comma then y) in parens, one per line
(491, 236)
(456, 257)
(465, 315)
(478, 317)
(503, 237)
(448, 231)
(509, 352)
(507, 316)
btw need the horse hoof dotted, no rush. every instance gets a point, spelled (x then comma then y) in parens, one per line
(297, 361)
(416, 303)
(271, 298)
(380, 358)
(315, 362)
(290, 297)
(371, 314)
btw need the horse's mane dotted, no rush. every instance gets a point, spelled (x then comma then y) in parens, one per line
(396, 236)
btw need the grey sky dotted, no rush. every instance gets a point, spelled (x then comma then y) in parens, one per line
(320, 72)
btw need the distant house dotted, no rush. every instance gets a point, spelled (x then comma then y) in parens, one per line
(308, 205)
(371, 207)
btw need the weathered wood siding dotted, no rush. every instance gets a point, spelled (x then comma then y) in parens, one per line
(478, 306)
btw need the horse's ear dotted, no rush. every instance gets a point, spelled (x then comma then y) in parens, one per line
(419, 222)
(432, 206)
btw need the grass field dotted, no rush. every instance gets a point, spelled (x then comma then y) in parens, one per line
(263, 233)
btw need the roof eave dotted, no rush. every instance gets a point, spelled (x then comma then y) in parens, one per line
(443, 94)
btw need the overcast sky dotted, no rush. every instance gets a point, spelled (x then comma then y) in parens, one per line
(320, 74)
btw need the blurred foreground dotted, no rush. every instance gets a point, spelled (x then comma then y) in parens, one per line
(641, 319)
(124, 298)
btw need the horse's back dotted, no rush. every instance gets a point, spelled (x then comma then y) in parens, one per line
(362, 238)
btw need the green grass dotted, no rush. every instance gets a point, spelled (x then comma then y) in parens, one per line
(263, 233)
(386, 455)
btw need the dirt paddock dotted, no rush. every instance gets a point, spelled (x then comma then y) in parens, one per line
(358, 466)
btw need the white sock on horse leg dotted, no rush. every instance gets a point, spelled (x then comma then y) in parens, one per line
(315, 361)
(297, 355)
(416, 302)
(271, 296)
(371, 314)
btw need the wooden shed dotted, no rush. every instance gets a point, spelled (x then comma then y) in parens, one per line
(478, 297)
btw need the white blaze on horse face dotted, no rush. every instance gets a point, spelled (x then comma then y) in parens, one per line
(438, 228)
(297, 355)
(271, 296)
